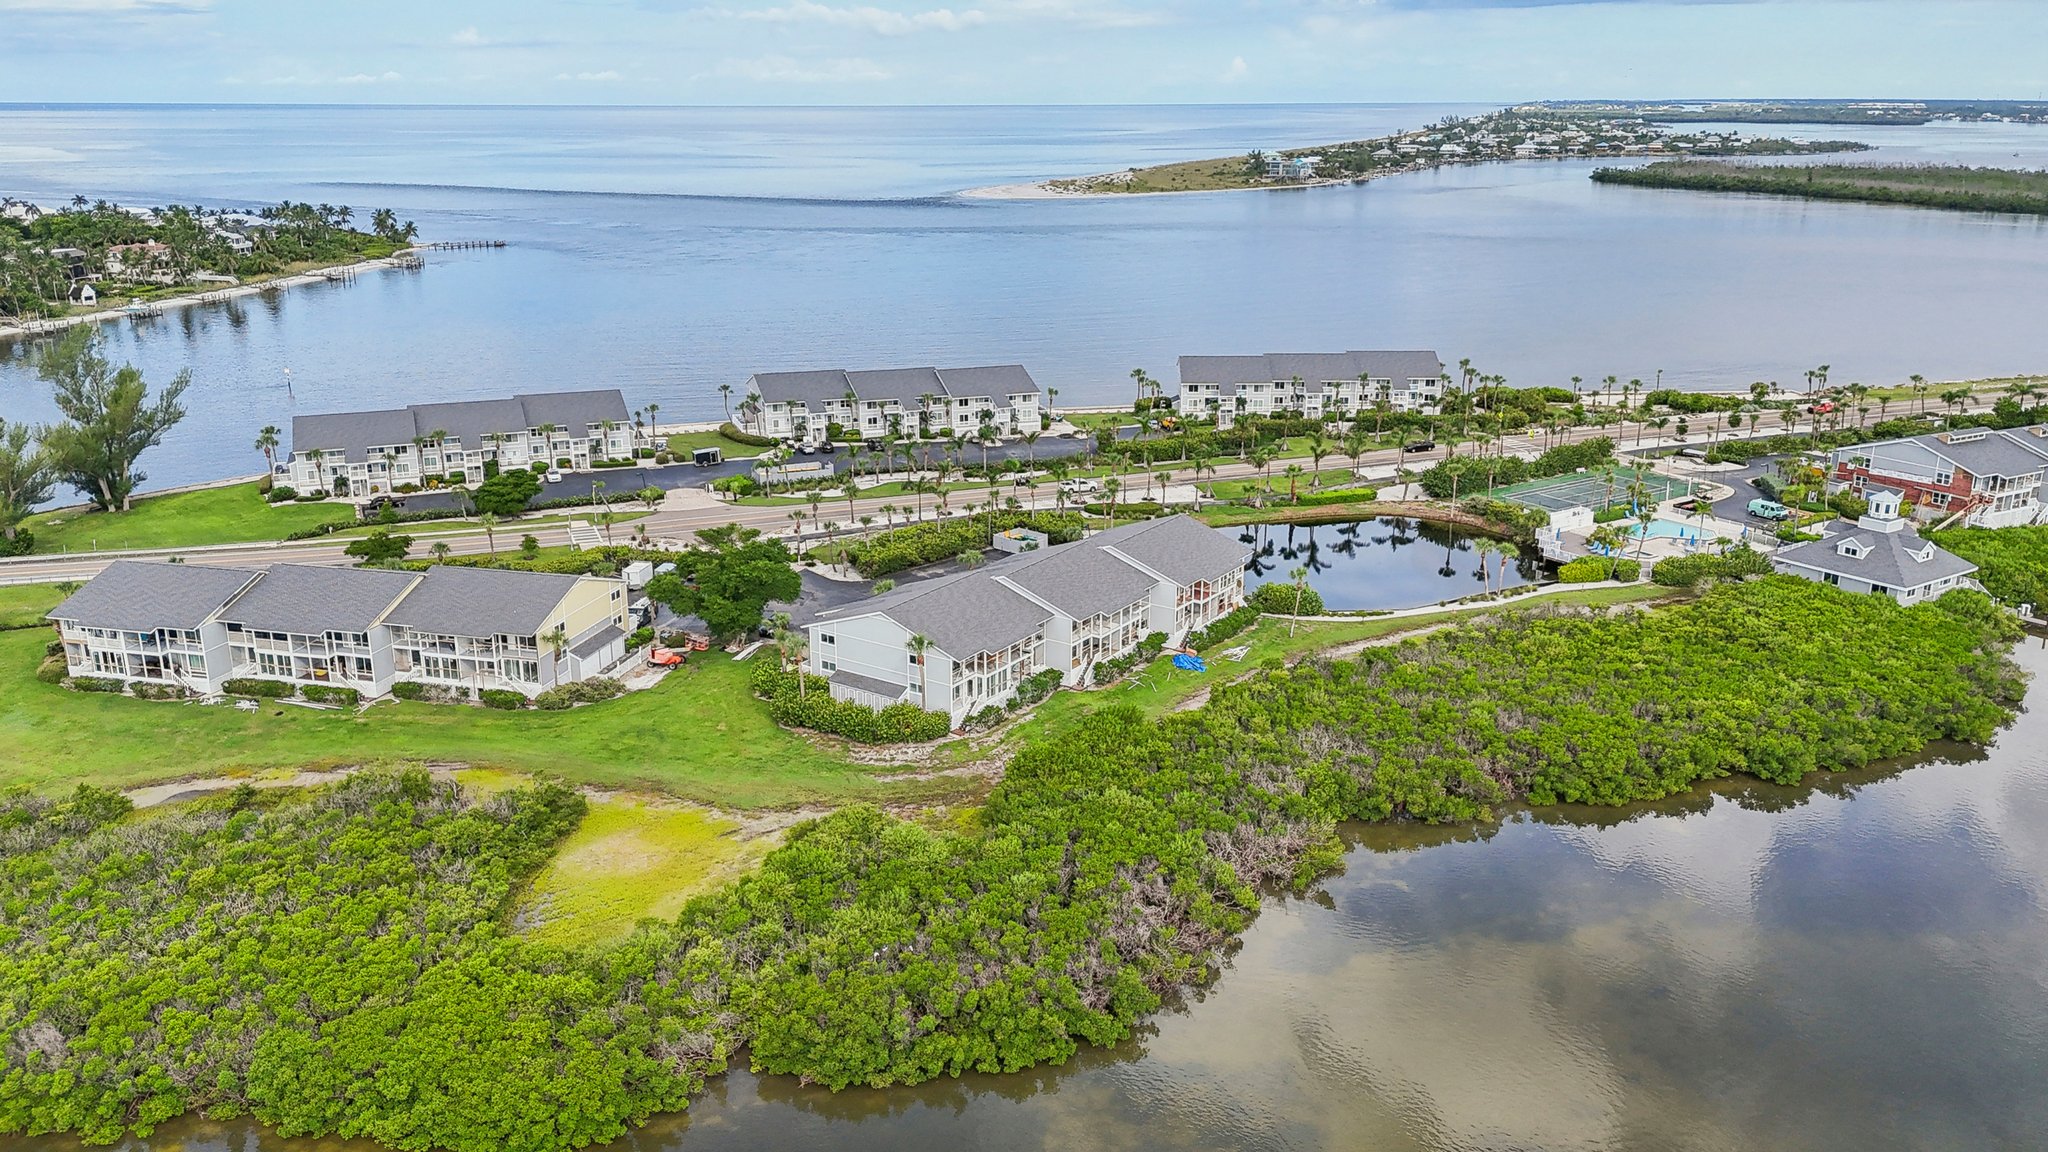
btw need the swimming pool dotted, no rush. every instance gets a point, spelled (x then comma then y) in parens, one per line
(1669, 529)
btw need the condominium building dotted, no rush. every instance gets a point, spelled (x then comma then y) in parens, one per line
(907, 402)
(1335, 385)
(1989, 477)
(362, 454)
(962, 642)
(197, 626)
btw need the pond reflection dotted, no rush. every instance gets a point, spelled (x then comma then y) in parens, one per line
(1382, 562)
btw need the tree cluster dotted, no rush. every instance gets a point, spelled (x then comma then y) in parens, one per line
(109, 420)
(732, 579)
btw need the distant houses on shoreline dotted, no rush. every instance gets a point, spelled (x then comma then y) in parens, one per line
(361, 454)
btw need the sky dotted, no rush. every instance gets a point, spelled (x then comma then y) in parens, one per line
(1013, 51)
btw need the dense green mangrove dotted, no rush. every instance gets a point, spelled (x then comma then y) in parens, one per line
(340, 961)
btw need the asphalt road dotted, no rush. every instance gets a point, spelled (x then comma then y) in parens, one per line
(679, 519)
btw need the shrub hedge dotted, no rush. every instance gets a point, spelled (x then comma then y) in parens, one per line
(1593, 569)
(52, 670)
(502, 698)
(926, 543)
(731, 431)
(96, 684)
(576, 692)
(249, 686)
(160, 691)
(1223, 627)
(1148, 649)
(331, 694)
(809, 704)
(1281, 600)
(1688, 571)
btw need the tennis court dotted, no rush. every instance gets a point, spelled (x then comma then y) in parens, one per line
(1591, 490)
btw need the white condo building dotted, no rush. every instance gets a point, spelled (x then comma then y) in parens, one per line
(908, 402)
(361, 454)
(1067, 607)
(196, 626)
(1316, 384)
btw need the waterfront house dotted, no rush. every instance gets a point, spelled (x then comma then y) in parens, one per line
(1322, 385)
(1878, 553)
(908, 402)
(363, 454)
(196, 626)
(1989, 477)
(491, 628)
(311, 624)
(146, 263)
(1067, 607)
(152, 623)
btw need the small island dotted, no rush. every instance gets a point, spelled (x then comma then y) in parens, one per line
(1889, 112)
(1953, 187)
(94, 259)
(1521, 133)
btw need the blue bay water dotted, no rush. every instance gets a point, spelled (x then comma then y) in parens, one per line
(669, 251)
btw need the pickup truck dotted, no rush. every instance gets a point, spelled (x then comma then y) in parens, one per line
(1768, 510)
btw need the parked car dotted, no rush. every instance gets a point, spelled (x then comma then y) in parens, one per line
(1769, 510)
(807, 448)
(1822, 408)
(1693, 453)
(1077, 485)
(554, 476)
(1421, 446)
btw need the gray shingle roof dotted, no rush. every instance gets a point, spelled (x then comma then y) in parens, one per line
(1078, 579)
(2013, 453)
(574, 411)
(970, 612)
(353, 434)
(1314, 368)
(869, 684)
(809, 387)
(471, 421)
(144, 595)
(903, 385)
(1180, 548)
(481, 601)
(311, 600)
(962, 614)
(592, 644)
(1889, 561)
(992, 380)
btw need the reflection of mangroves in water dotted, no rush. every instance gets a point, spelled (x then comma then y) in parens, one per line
(1109, 870)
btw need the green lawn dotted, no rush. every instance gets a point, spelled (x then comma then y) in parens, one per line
(699, 735)
(23, 605)
(235, 514)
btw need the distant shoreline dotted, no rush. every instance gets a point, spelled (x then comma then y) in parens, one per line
(33, 328)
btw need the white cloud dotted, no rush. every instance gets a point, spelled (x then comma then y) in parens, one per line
(605, 77)
(884, 21)
(1238, 70)
(370, 78)
(468, 38)
(784, 70)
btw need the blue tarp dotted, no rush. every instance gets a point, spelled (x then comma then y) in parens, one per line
(1189, 663)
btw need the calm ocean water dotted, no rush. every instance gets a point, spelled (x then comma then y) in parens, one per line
(668, 251)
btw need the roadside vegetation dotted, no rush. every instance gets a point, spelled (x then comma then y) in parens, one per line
(1957, 188)
(2012, 562)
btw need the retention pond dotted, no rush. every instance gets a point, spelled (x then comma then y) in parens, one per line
(1383, 562)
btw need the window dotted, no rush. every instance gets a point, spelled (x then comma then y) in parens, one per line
(826, 638)
(1831, 578)
(828, 665)
(273, 663)
(440, 667)
(527, 670)
(615, 593)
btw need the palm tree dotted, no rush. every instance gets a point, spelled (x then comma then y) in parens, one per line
(1485, 548)
(1318, 447)
(849, 489)
(1920, 387)
(1300, 578)
(920, 646)
(1165, 477)
(266, 443)
(556, 641)
(1109, 488)
(1031, 448)
(725, 390)
(440, 551)
(1293, 474)
(489, 523)
(1610, 539)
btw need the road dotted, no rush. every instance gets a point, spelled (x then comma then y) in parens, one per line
(689, 508)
